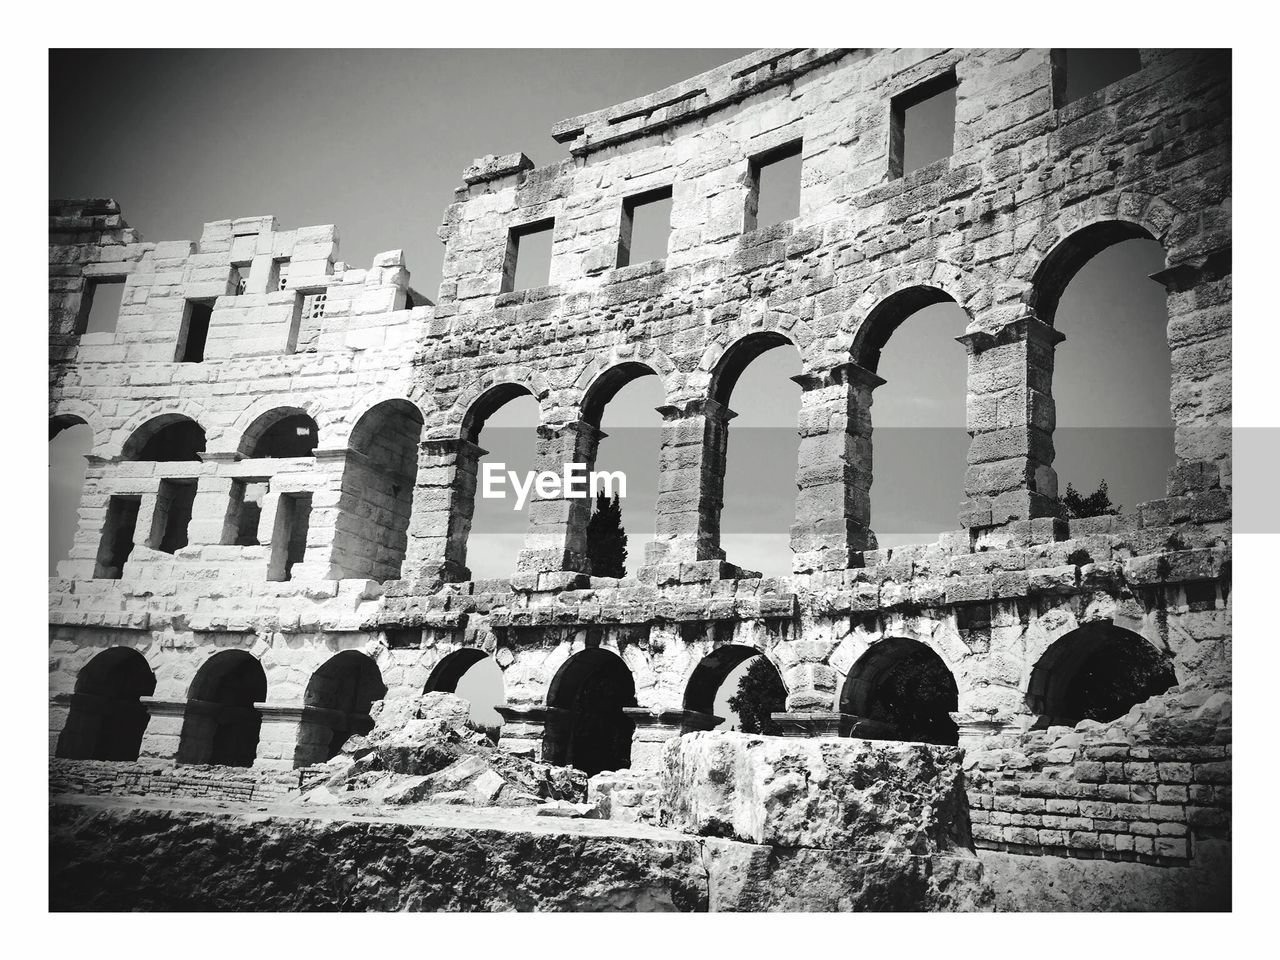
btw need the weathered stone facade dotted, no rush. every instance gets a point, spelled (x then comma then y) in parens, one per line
(399, 390)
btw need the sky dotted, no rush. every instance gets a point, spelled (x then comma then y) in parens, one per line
(376, 141)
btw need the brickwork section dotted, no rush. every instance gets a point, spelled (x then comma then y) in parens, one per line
(1145, 788)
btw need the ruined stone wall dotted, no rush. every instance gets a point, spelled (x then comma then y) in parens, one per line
(1031, 190)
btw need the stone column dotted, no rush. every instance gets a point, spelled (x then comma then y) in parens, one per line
(281, 733)
(164, 729)
(833, 504)
(810, 723)
(654, 727)
(691, 483)
(524, 727)
(209, 510)
(557, 537)
(1010, 473)
(1199, 302)
(443, 505)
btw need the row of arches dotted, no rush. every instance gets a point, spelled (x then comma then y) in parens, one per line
(1119, 376)
(899, 689)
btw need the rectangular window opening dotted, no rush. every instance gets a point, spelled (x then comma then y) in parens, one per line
(1078, 73)
(922, 125)
(646, 227)
(100, 305)
(117, 537)
(528, 261)
(289, 538)
(242, 278)
(281, 270)
(194, 332)
(244, 510)
(174, 501)
(773, 192)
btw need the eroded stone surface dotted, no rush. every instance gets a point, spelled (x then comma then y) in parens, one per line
(823, 793)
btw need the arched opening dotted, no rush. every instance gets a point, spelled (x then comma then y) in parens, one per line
(901, 690)
(221, 723)
(493, 531)
(164, 439)
(107, 719)
(286, 432)
(70, 442)
(755, 504)
(919, 438)
(586, 724)
(336, 705)
(740, 686)
(371, 531)
(477, 678)
(1096, 672)
(623, 403)
(1112, 373)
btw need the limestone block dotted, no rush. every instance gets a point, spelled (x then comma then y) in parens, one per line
(825, 793)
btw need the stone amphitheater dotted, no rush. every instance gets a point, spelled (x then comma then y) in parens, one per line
(272, 535)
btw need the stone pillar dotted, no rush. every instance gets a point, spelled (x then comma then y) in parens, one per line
(59, 712)
(209, 510)
(524, 727)
(1010, 418)
(443, 505)
(1199, 302)
(833, 504)
(977, 729)
(810, 723)
(164, 730)
(691, 483)
(557, 537)
(282, 732)
(653, 728)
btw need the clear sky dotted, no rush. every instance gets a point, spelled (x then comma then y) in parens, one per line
(376, 141)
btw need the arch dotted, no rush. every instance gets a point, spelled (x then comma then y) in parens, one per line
(1097, 671)
(1072, 252)
(737, 357)
(336, 705)
(376, 494)
(282, 432)
(901, 689)
(221, 722)
(61, 421)
(711, 672)
(107, 719)
(587, 726)
(446, 674)
(606, 385)
(487, 404)
(69, 412)
(889, 314)
(166, 438)
(466, 672)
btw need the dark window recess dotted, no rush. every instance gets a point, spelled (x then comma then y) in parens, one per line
(528, 261)
(244, 510)
(195, 331)
(100, 305)
(117, 537)
(646, 227)
(922, 125)
(1078, 73)
(773, 193)
(174, 501)
(289, 540)
(242, 278)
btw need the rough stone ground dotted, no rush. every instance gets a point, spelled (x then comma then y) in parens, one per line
(149, 854)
